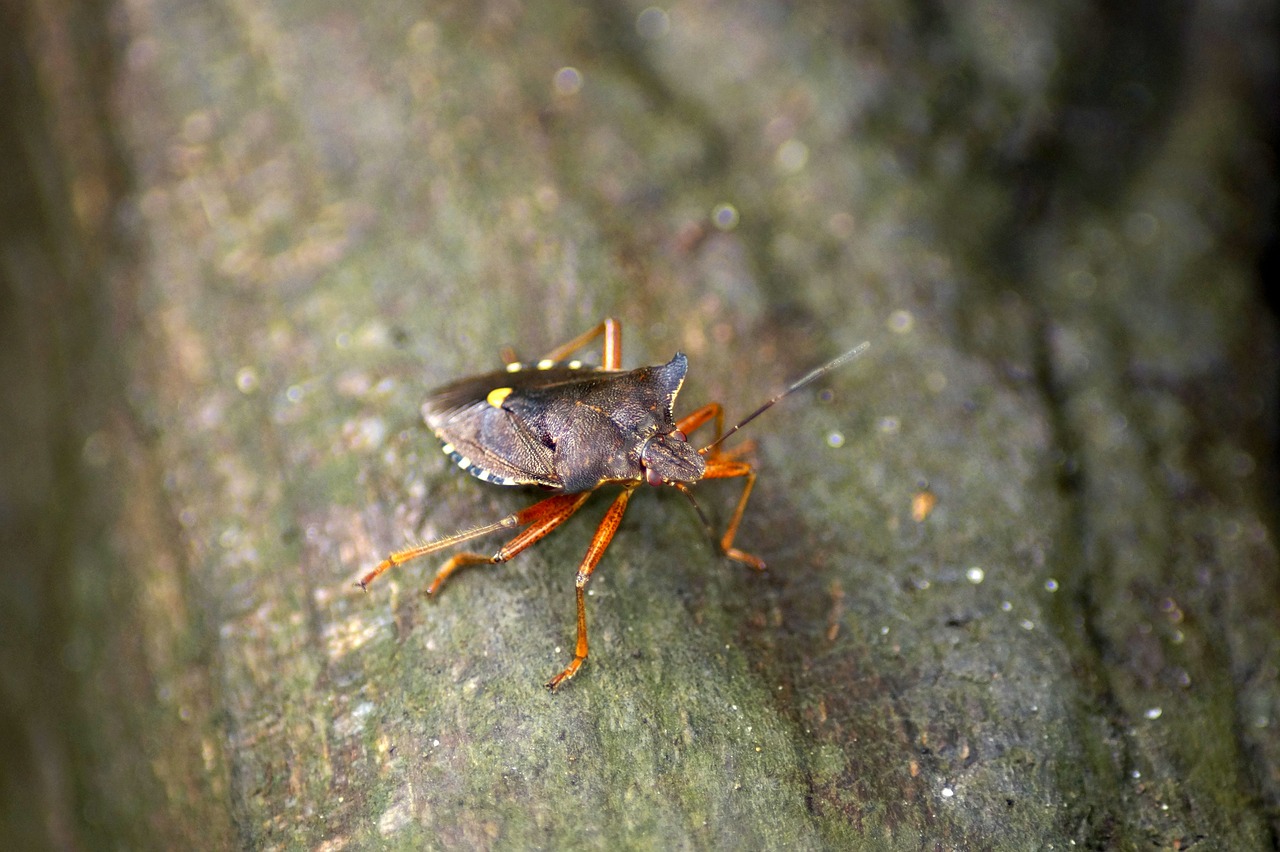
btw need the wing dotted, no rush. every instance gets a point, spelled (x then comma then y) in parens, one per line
(490, 442)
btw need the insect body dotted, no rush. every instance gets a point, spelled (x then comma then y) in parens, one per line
(566, 427)
(571, 429)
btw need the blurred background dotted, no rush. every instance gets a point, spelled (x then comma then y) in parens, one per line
(1023, 585)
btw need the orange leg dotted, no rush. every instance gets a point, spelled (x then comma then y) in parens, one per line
(722, 467)
(694, 419)
(725, 464)
(599, 543)
(713, 410)
(540, 518)
(610, 329)
(611, 358)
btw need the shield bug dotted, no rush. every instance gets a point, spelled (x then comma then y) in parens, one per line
(570, 429)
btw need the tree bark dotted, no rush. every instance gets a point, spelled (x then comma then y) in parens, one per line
(1022, 585)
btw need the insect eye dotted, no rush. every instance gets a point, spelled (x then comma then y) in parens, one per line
(652, 476)
(678, 435)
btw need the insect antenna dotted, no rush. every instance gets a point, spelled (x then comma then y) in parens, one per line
(810, 377)
(702, 516)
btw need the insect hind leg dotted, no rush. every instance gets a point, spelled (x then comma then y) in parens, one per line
(542, 517)
(539, 519)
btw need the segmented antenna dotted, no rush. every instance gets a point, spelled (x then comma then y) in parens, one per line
(808, 378)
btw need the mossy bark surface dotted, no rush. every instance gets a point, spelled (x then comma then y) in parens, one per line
(1022, 587)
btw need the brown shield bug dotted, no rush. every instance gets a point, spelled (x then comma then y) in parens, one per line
(570, 429)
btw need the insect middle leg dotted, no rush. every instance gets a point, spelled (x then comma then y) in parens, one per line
(599, 543)
(611, 358)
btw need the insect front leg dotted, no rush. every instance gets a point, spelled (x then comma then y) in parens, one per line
(713, 411)
(599, 543)
(542, 517)
(694, 419)
(727, 468)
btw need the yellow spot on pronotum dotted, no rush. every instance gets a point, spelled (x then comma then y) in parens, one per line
(546, 364)
(496, 396)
